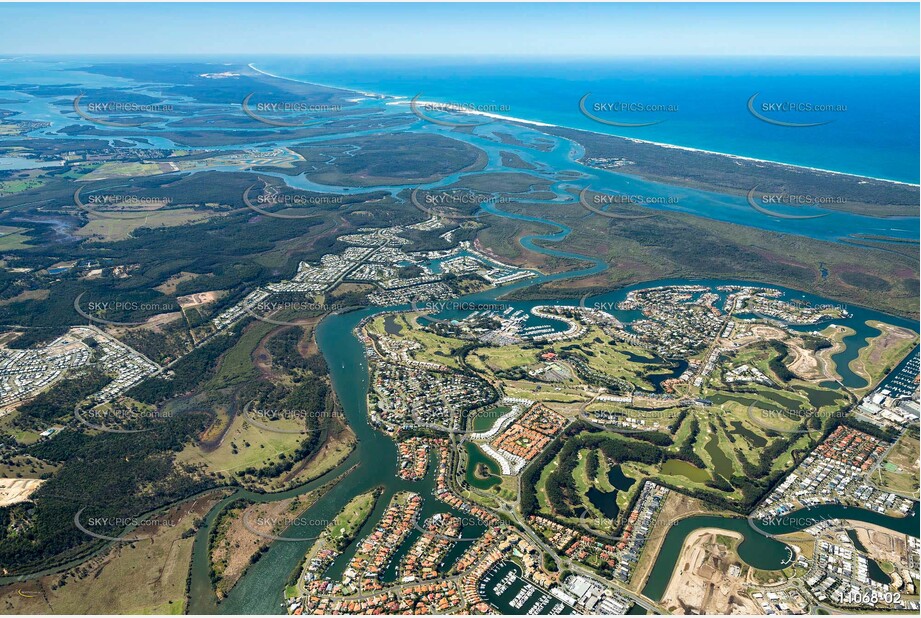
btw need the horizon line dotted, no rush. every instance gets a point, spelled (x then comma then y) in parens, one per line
(7, 56)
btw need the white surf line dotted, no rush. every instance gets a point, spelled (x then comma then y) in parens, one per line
(755, 160)
(301, 81)
(454, 107)
(464, 110)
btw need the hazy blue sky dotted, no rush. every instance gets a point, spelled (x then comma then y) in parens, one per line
(461, 29)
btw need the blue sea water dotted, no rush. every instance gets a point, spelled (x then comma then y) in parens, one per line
(873, 130)
(549, 93)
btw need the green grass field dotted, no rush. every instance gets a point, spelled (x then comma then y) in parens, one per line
(435, 349)
(112, 228)
(11, 238)
(236, 366)
(899, 471)
(351, 518)
(18, 186)
(244, 445)
(882, 352)
(613, 358)
(502, 358)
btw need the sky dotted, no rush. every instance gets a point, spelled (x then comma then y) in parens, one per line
(491, 30)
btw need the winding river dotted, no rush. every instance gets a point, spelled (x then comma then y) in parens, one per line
(377, 458)
(260, 590)
(374, 461)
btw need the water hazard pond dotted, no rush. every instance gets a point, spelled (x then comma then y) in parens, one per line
(260, 589)
(482, 472)
(606, 502)
(376, 455)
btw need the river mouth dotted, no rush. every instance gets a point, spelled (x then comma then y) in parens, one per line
(373, 462)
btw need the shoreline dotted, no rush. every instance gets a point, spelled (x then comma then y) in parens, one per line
(756, 160)
(252, 66)
(463, 110)
(403, 100)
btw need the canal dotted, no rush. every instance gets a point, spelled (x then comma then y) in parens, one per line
(261, 588)
(760, 551)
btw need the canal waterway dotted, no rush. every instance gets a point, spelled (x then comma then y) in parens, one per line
(260, 590)
(758, 550)
(374, 460)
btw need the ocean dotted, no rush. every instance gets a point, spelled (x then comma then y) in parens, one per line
(870, 107)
